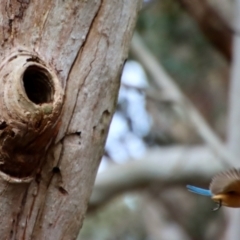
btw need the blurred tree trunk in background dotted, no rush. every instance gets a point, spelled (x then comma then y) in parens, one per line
(60, 67)
(233, 230)
(214, 26)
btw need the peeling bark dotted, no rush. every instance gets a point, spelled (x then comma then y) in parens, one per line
(60, 68)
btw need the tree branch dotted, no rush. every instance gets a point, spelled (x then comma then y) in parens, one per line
(183, 165)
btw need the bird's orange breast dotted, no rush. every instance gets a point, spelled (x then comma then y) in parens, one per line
(228, 199)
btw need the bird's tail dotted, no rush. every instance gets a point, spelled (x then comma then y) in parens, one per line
(198, 190)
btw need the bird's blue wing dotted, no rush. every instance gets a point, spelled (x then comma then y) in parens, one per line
(200, 191)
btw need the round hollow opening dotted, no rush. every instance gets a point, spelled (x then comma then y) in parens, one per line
(38, 85)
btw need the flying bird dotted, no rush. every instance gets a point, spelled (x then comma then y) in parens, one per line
(224, 189)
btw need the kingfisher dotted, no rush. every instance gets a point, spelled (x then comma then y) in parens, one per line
(224, 189)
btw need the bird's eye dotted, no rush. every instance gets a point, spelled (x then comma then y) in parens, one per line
(231, 192)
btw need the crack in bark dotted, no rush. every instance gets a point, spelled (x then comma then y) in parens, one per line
(73, 64)
(42, 206)
(18, 217)
(38, 43)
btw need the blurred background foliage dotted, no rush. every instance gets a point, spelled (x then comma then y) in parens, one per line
(202, 73)
(187, 55)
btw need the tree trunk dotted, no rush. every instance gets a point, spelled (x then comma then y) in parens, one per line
(60, 67)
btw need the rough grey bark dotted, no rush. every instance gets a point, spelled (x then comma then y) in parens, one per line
(60, 68)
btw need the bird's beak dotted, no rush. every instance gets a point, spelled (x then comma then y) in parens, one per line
(218, 206)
